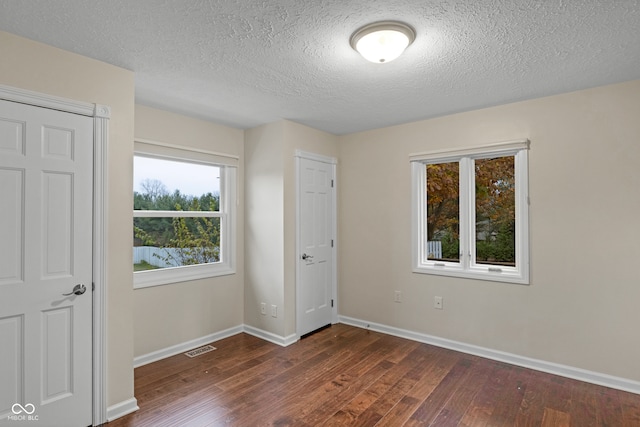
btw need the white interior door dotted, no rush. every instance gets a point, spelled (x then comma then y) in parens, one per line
(46, 181)
(315, 245)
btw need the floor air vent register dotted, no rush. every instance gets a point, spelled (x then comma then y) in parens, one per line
(200, 350)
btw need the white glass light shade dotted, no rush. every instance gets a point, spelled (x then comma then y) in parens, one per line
(382, 41)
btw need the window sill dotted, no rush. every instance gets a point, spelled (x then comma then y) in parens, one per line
(167, 276)
(505, 276)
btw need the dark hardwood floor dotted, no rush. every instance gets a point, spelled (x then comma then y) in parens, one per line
(346, 376)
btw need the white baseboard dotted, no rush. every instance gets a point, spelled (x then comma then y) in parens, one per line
(271, 337)
(121, 409)
(513, 359)
(185, 346)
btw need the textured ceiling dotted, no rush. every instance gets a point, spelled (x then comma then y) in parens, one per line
(245, 63)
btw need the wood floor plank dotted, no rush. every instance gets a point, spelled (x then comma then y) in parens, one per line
(559, 392)
(301, 384)
(431, 407)
(481, 409)
(553, 418)
(352, 413)
(334, 394)
(583, 405)
(608, 408)
(460, 401)
(346, 376)
(509, 396)
(426, 381)
(630, 409)
(342, 391)
(533, 402)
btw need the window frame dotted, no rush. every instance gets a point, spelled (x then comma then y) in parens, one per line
(226, 213)
(467, 267)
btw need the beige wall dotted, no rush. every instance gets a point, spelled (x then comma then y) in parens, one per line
(581, 308)
(264, 226)
(176, 313)
(270, 219)
(34, 66)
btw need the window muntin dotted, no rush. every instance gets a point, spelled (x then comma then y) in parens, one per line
(183, 222)
(492, 219)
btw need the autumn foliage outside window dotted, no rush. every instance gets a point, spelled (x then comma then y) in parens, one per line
(443, 210)
(494, 210)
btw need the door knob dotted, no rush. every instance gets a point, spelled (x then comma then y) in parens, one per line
(307, 257)
(78, 289)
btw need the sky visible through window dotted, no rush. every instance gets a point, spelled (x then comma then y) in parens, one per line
(190, 178)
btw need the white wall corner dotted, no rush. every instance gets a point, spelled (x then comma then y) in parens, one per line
(271, 337)
(121, 409)
(597, 378)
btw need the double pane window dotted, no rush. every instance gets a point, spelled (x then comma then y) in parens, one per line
(470, 213)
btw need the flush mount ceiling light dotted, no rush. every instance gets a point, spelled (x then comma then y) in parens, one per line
(382, 41)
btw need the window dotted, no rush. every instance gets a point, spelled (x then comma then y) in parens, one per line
(470, 213)
(183, 217)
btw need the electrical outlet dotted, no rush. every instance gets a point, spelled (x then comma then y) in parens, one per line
(274, 310)
(397, 296)
(263, 308)
(437, 302)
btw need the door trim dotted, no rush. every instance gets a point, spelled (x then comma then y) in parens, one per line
(298, 155)
(101, 115)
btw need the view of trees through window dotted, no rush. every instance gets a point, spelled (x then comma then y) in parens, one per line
(494, 211)
(443, 212)
(168, 232)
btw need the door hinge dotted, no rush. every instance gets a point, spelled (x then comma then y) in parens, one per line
(331, 242)
(331, 303)
(93, 286)
(331, 183)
